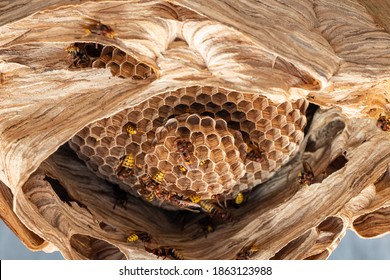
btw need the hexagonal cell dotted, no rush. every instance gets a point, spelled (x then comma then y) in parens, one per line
(229, 107)
(106, 169)
(147, 146)
(301, 122)
(102, 151)
(254, 115)
(219, 98)
(260, 103)
(165, 166)
(131, 59)
(97, 132)
(194, 174)
(170, 178)
(171, 101)
(118, 56)
(263, 125)
(238, 116)
(202, 152)
(78, 141)
(293, 116)
(143, 70)
(231, 156)
(158, 122)
(225, 115)
(134, 116)
(127, 69)
(203, 98)
(107, 51)
(221, 125)
(227, 142)
(296, 136)
(112, 161)
(155, 102)
(197, 108)
(227, 180)
(221, 167)
(107, 141)
(212, 107)
(151, 159)
(210, 178)
(282, 142)
(187, 100)
(140, 160)
(161, 152)
(184, 183)
(301, 105)
(217, 155)
(279, 121)
(212, 141)
(207, 124)
(99, 63)
(150, 114)
(164, 111)
(98, 160)
(284, 108)
(237, 168)
(267, 145)
(199, 186)
(193, 122)
(288, 129)
(121, 139)
(181, 109)
(91, 141)
(117, 151)
(272, 134)
(248, 126)
(118, 120)
(183, 132)
(87, 151)
(235, 97)
(245, 106)
(233, 125)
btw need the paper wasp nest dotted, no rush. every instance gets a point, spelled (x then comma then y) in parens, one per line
(194, 131)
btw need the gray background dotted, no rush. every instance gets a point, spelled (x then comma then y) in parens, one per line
(351, 247)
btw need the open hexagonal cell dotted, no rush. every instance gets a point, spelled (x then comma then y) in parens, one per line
(95, 249)
(118, 56)
(127, 69)
(203, 99)
(143, 71)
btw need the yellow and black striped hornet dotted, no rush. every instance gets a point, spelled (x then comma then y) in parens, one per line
(98, 28)
(211, 209)
(126, 168)
(166, 252)
(78, 57)
(139, 235)
(254, 153)
(158, 178)
(306, 177)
